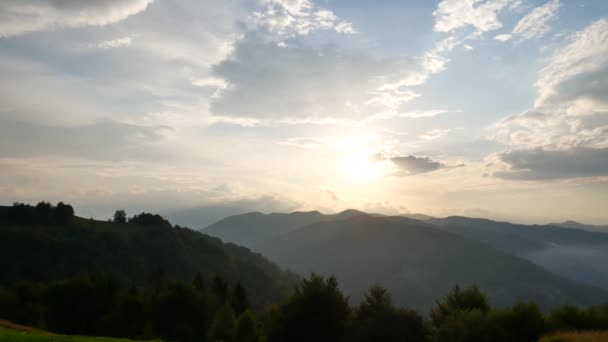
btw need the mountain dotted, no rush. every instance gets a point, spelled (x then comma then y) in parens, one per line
(578, 254)
(578, 225)
(419, 217)
(418, 263)
(251, 229)
(41, 246)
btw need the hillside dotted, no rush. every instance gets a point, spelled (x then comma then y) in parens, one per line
(251, 229)
(574, 253)
(12, 335)
(418, 263)
(578, 225)
(42, 247)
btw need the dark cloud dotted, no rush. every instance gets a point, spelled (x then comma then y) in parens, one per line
(413, 165)
(105, 140)
(539, 164)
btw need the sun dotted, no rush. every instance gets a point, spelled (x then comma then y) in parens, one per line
(361, 167)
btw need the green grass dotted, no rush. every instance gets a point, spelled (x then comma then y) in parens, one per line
(11, 335)
(578, 336)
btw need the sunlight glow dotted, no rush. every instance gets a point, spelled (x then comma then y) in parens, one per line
(361, 167)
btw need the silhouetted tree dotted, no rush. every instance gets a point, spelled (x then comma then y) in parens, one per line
(220, 289)
(64, 213)
(467, 299)
(317, 311)
(222, 326)
(198, 282)
(246, 329)
(522, 322)
(120, 217)
(376, 319)
(239, 299)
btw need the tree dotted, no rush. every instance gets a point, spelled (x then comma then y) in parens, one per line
(198, 282)
(239, 299)
(522, 322)
(317, 311)
(120, 217)
(468, 326)
(220, 289)
(64, 213)
(222, 327)
(467, 299)
(376, 319)
(246, 329)
(180, 313)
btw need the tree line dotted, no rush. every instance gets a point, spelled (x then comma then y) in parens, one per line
(317, 310)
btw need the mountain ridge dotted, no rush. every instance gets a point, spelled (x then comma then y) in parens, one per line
(417, 263)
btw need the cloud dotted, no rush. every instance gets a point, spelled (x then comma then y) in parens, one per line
(112, 43)
(289, 18)
(575, 65)
(106, 140)
(535, 24)
(412, 165)
(210, 82)
(539, 164)
(22, 16)
(435, 133)
(265, 81)
(481, 15)
(332, 195)
(572, 101)
(503, 37)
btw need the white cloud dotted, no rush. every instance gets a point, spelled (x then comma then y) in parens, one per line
(584, 58)
(289, 18)
(503, 37)
(22, 16)
(112, 43)
(481, 15)
(535, 24)
(572, 100)
(567, 130)
(435, 134)
(210, 82)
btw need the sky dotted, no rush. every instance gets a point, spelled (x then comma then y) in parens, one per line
(484, 108)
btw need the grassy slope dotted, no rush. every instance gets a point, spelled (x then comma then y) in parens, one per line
(594, 336)
(11, 335)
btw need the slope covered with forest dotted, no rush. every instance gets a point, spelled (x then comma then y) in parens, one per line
(419, 263)
(45, 243)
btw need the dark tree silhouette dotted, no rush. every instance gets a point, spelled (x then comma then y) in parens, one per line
(120, 217)
(239, 299)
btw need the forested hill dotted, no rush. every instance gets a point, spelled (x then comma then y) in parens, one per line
(419, 263)
(44, 242)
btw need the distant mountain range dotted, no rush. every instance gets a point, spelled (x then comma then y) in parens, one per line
(420, 260)
(251, 229)
(578, 225)
(578, 254)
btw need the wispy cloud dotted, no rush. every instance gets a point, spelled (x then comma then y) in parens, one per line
(481, 15)
(535, 24)
(112, 43)
(21, 16)
(288, 18)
